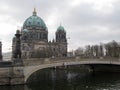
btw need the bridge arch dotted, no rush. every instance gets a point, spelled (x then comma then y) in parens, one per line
(29, 70)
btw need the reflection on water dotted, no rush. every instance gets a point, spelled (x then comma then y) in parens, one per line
(50, 79)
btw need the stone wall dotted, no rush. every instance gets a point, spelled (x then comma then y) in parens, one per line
(4, 76)
(17, 76)
(11, 75)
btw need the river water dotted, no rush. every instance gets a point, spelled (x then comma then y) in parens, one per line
(50, 79)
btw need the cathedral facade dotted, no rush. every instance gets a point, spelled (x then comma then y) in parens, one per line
(34, 40)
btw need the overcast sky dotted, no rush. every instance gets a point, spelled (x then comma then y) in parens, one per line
(85, 21)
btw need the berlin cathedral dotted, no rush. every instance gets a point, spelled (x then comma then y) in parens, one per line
(32, 40)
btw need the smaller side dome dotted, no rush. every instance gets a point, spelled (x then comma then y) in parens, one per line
(60, 28)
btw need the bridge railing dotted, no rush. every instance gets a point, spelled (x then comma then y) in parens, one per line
(39, 61)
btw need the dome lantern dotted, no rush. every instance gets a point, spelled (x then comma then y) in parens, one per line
(34, 12)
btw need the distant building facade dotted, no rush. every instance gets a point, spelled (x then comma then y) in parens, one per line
(34, 40)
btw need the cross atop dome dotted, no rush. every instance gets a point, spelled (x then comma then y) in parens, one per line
(34, 12)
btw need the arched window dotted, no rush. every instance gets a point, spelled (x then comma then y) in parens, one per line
(39, 35)
(29, 22)
(44, 36)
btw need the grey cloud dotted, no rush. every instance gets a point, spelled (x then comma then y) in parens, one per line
(78, 21)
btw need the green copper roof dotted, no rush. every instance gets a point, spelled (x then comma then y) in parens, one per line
(60, 28)
(34, 20)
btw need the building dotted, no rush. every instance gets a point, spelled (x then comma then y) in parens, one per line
(34, 40)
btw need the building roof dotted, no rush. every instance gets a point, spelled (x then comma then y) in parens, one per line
(60, 28)
(34, 21)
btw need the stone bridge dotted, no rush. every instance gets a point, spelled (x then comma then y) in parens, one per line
(11, 73)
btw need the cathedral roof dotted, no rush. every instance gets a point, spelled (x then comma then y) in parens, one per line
(34, 21)
(60, 28)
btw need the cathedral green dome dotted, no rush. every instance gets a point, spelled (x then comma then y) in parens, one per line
(34, 21)
(60, 28)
